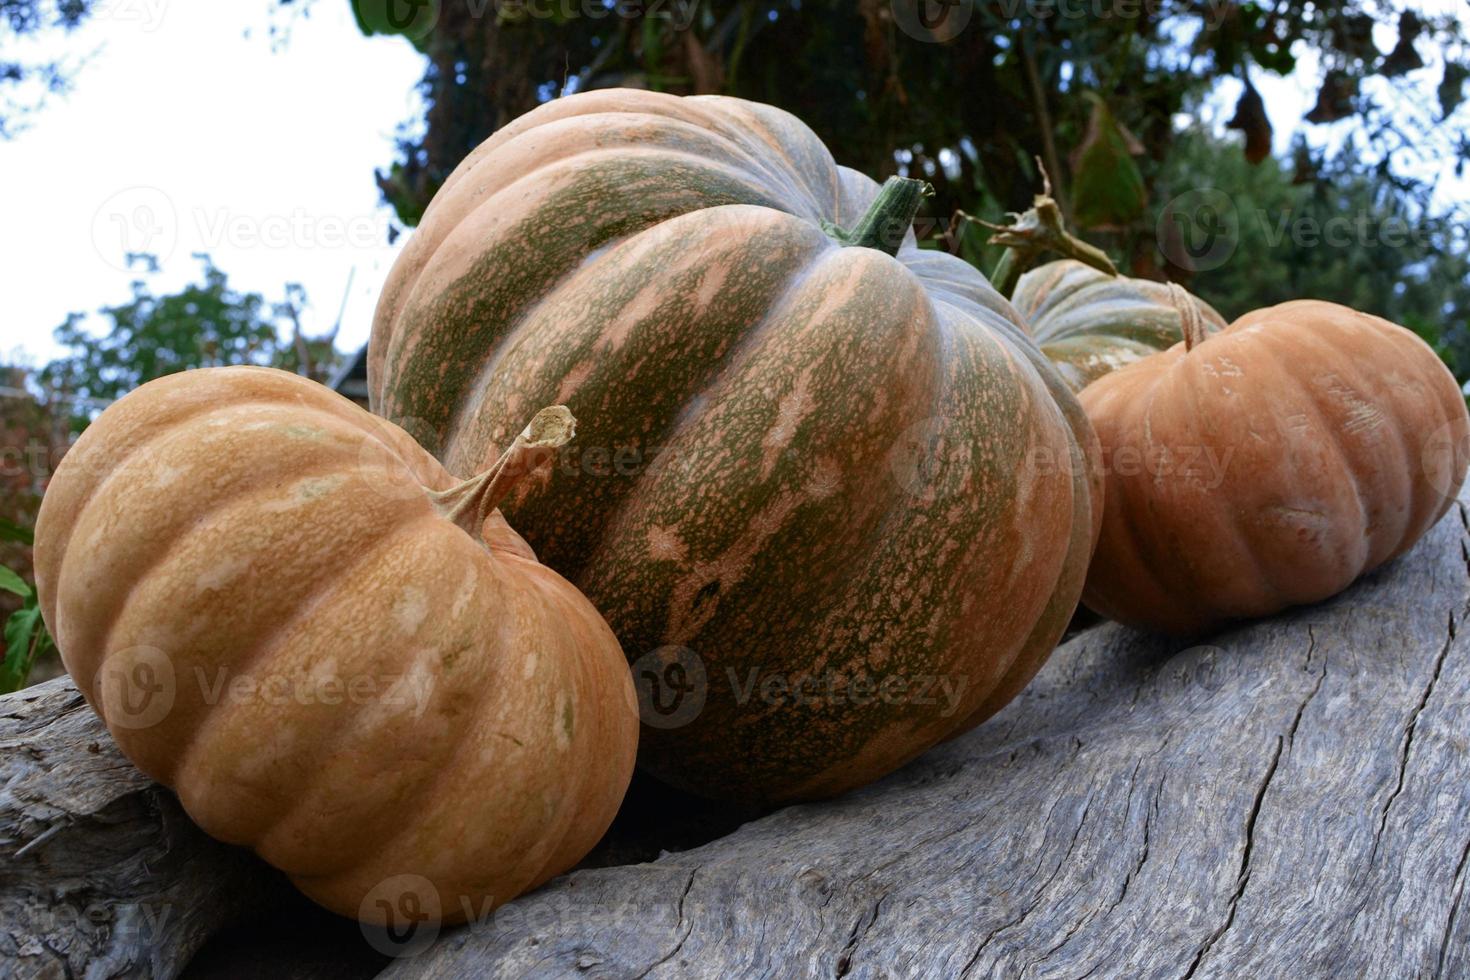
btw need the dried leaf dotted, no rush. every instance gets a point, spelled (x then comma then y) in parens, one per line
(1250, 118)
(1107, 187)
(1404, 57)
(1452, 86)
(1336, 99)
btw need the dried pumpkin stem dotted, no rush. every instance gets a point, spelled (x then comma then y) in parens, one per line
(470, 503)
(1191, 321)
(1029, 236)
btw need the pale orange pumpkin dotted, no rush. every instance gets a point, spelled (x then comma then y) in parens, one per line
(288, 612)
(1268, 465)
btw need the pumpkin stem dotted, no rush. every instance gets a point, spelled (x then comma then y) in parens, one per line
(1191, 321)
(888, 219)
(1031, 235)
(470, 503)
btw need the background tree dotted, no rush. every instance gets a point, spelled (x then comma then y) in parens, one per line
(1093, 89)
(205, 324)
(1344, 235)
(25, 83)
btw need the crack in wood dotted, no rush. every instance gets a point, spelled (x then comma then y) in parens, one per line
(1244, 876)
(859, 930)
(1406, 742)
(684, 931)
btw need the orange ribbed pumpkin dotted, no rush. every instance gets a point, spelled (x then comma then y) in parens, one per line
(285, 610)
(1269, 465)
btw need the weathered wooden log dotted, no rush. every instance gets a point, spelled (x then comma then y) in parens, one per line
(1289, 798)
(101, 873)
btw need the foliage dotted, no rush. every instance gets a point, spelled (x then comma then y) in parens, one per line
(1334, 234)
(969, 112)
(24, 84)
(205, 324)
(26, 637)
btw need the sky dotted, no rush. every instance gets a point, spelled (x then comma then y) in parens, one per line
(188, 130)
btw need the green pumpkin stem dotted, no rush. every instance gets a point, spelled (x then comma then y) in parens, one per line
(1191, 321)
(470, 503)
(888, 219)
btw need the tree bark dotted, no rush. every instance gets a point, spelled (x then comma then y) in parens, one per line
(1291, 797)
(103, 874)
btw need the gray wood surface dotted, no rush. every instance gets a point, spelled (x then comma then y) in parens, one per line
(1289, 799)
(101, 873)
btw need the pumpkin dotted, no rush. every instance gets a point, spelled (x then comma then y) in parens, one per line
(286, 611)
(1090, 323)
(830, 496)
(1269, 465)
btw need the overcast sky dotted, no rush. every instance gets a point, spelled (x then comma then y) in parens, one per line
(182, 135)
(187, 132)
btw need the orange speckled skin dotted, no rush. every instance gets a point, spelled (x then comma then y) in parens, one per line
(343, 679)
(1270, 466)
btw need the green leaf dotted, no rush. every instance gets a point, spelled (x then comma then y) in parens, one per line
(11, 531)
(11, 582)
(1107, 186)
(25, 638)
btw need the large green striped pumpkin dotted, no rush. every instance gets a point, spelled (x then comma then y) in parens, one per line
(1090, 323)
(804, 470)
